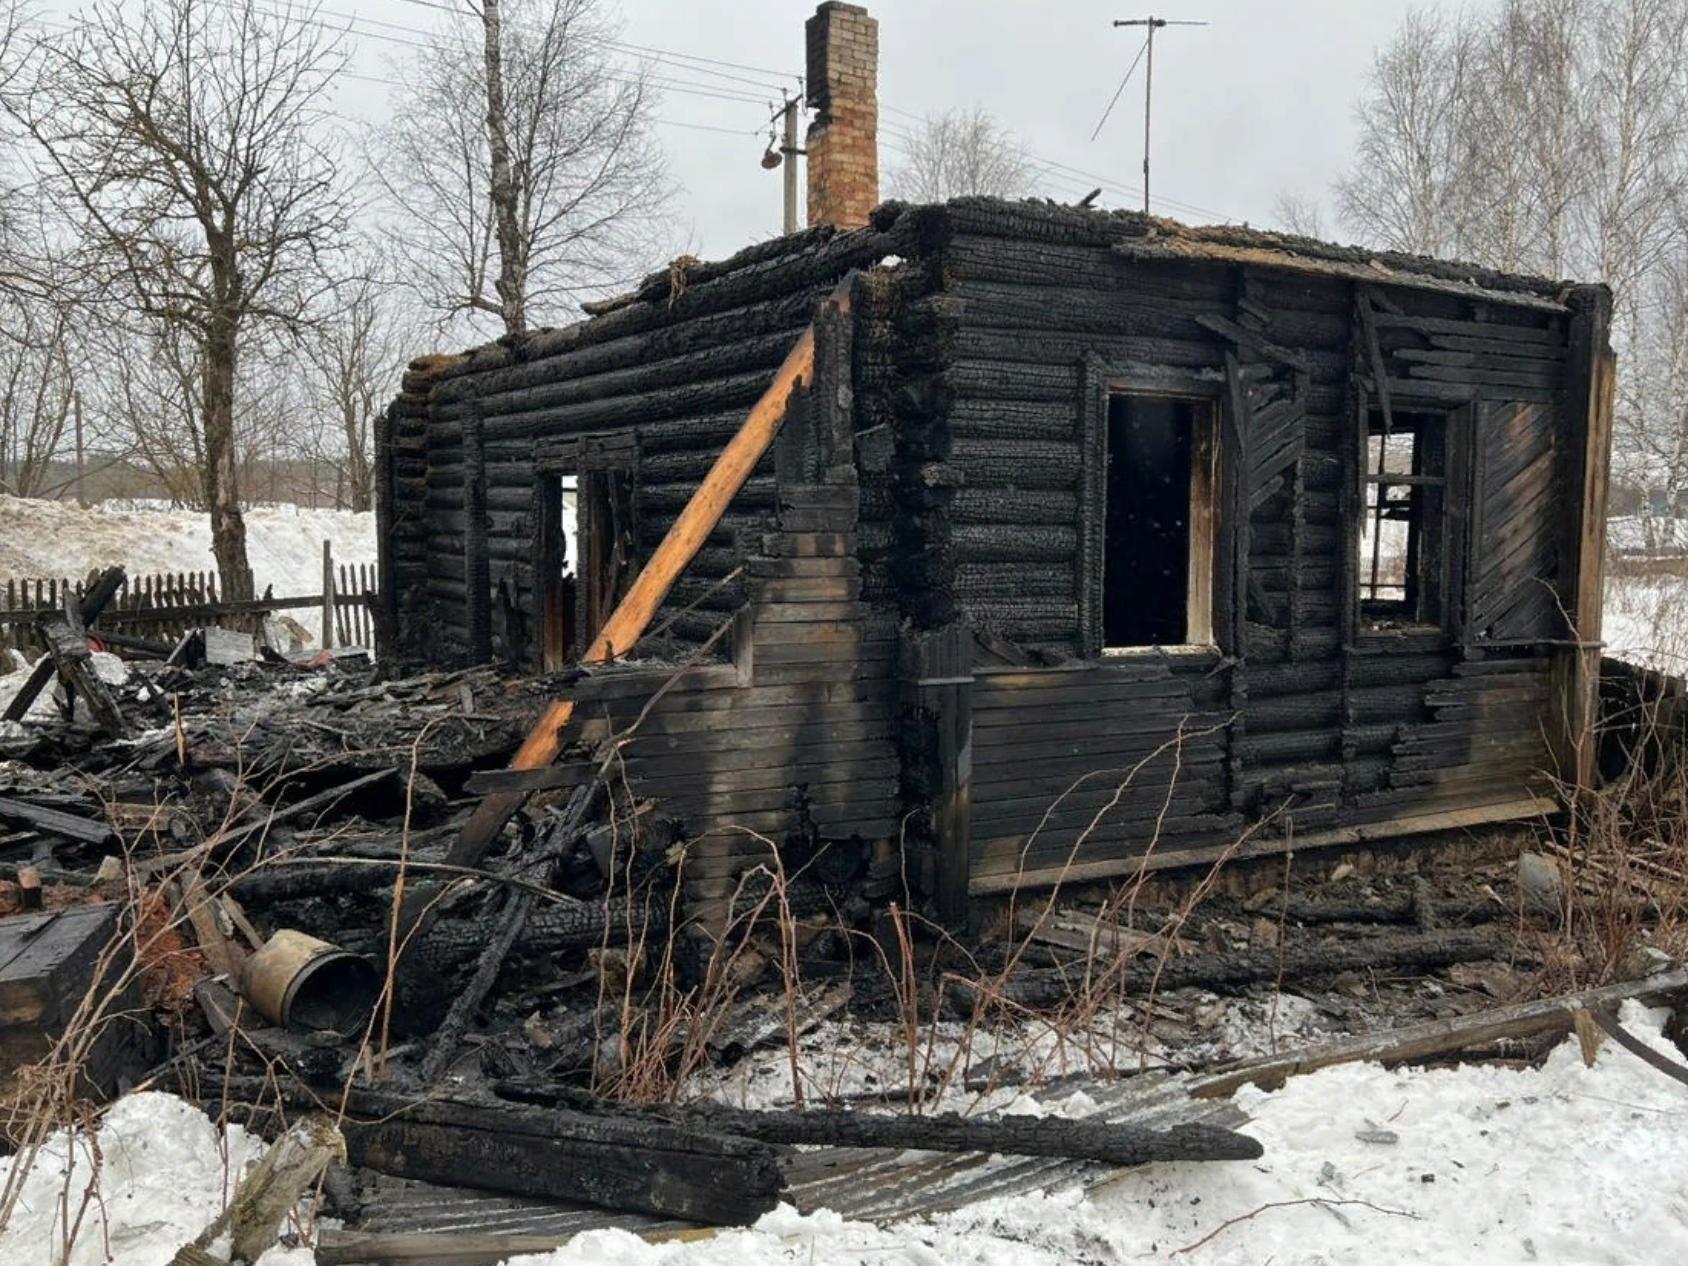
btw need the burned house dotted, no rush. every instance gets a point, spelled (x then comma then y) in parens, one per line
(993, 544)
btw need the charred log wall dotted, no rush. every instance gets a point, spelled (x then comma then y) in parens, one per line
(1300, 714)
(675, 367)
(404, 544)
(789, 751)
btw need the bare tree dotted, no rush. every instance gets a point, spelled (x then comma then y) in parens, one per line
(1403, 190)
(39, 359)
(1549, 136)
(519, 163)
(356, 359)
(37, 389)
(962, 152)
(146, 397)
(1297, 213)
(183, 138)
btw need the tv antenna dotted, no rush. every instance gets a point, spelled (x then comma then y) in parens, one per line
(1154, 24)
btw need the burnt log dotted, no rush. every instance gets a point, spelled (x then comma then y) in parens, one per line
(1089, 1140)
(67, 648)
(1421, 951)
(96, 600)
(622, 1162)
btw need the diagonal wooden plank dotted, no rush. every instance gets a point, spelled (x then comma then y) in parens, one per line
(633, 614)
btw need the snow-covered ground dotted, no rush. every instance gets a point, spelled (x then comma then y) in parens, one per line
(1464, 1165)
(1461, 1166)
(1646, 621)
(283, 542)
(148, 1181)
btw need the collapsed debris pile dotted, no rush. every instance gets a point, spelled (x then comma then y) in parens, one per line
(266, 848)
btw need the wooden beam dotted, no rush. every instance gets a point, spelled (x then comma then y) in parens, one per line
(1438, 1037)
(1085, 1138)
(1262, 845)
(104, 590)
(1587, 428)
(430, 1248)
(477, 565)
(633, 614)
(610, 1160)
(459, 1248)
(70, 825)
(944, 688)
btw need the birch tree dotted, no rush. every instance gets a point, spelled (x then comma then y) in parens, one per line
(519, 164)
(1550, 136)
(184, 140)
(958, 153)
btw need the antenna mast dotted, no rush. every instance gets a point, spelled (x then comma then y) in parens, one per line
(1154, 24)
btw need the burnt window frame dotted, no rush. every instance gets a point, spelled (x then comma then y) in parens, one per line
(1100, 382)
(1438, 598)
(1422, 493)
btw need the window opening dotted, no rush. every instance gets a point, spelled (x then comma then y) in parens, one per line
(1157, 570)
(1401, 521)
(559, 534)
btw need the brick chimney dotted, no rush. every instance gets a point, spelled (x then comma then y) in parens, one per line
(843, 142)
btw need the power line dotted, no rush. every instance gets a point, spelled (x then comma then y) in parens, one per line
(459, 11)
(1050, 169)
(686, 87)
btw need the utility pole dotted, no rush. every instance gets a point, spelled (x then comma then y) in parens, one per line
(789, 152)
(786, 155)
(1154, 24)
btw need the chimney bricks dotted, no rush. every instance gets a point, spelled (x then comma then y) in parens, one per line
(843, 90)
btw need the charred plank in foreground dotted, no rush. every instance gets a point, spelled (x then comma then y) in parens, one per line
(1090, 1140)
(619, 1161)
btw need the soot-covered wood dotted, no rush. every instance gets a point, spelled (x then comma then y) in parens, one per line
(977, 379)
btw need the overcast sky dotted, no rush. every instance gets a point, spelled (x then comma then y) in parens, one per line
(1257, 102)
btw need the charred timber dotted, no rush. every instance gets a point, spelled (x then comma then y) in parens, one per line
(1087, 1139)
(608, 1161)
(1209, 971)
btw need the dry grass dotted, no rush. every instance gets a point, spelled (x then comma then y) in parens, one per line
(1623, 859)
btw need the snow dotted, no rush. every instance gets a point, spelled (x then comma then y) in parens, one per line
(1646, 621)
(1495, 1165)
(859, 1061)
(283, 542)
(1473, 1163)
(161, 1179)
(1647, 536)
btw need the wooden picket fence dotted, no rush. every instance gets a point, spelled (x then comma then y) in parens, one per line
(162, 607)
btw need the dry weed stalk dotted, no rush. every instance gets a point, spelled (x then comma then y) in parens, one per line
(1624, 856)
(52, 1098)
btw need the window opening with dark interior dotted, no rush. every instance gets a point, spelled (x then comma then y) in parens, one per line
(1157, 572)
(1400, 530)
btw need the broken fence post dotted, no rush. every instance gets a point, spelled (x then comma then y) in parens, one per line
(327, 594)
